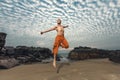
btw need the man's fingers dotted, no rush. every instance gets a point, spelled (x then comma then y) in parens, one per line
(41, 33)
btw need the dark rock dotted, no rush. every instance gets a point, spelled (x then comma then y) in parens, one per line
(9, 51)
(10, 56)
(115, 56)
(81, 53)
(31, 54)
(24, 59)
(2, 39)
(8, 63)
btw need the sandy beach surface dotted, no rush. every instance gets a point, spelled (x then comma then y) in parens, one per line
(92, 69)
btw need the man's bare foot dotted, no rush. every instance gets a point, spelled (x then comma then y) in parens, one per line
(54, 65)
(61, 45)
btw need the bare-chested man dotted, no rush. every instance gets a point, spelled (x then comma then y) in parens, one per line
(59, 40)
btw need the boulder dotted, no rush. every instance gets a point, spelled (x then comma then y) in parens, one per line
(2, 39)
(81, 53)
(114, 56)
(8, 63)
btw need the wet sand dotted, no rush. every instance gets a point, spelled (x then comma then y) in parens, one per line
(94, 69)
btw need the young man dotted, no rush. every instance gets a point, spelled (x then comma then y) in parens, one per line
(59, 40)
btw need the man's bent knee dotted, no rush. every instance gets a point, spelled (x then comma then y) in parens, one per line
(67, 46)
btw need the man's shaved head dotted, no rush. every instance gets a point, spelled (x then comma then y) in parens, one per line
(58, 21)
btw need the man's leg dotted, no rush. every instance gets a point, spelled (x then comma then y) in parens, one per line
(55, 51)
(64, 44)
(54, 61)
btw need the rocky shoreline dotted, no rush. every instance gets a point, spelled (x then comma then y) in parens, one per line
(82, 53)
(10, 56)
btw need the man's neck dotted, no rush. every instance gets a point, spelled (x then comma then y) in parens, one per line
(59, 24)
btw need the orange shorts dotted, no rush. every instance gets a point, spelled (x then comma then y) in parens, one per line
(59, 41)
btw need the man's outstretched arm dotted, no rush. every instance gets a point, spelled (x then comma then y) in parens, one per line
(65, 26)
(51, 29)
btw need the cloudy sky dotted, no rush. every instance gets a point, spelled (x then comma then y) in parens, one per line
(93, 23)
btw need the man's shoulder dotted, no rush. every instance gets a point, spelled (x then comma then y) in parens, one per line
(55, 26)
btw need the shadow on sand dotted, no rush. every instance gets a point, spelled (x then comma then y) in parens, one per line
(61, 66)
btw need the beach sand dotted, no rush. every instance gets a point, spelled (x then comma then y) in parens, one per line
(92, 69)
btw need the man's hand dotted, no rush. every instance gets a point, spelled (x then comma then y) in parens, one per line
(41, 33)
(65, 26)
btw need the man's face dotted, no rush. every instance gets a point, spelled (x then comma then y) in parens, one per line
(58, 21)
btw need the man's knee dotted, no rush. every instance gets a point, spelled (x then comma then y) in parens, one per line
(67, 46)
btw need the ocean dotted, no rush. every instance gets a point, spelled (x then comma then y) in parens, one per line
(63, 54)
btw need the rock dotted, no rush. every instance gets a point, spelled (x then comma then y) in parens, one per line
(48, 60)
(2, 39)
(9, 51)
(31, 54)
(10, 56)
(8, 63)
(81, 53)
(115, 56)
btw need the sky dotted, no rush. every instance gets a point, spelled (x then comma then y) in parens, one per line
(92, 23)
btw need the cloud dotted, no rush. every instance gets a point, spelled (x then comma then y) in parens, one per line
(40, 43)
(91, 22)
